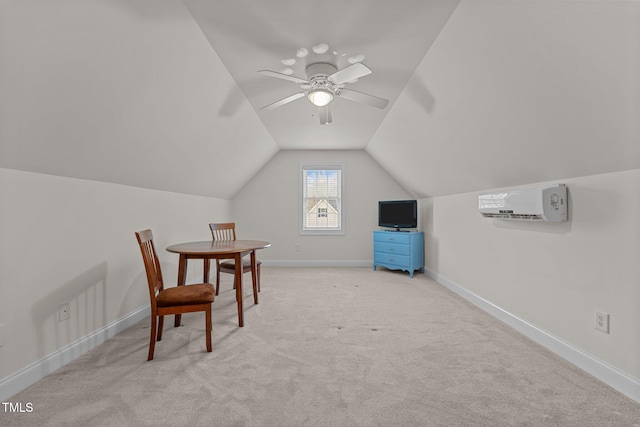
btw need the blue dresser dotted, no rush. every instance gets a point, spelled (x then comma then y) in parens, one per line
(399, 250)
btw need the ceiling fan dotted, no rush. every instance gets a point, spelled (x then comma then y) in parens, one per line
(323, 83)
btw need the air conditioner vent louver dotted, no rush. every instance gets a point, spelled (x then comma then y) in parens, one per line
(514, 216)
(538, 204)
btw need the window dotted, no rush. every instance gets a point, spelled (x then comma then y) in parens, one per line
(321, 194)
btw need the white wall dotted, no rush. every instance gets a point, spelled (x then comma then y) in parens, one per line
(70, 240)
(552, 275)
(267, 208)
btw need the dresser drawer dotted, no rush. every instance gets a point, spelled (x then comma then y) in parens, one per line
(393, 248)
(392, 237)
(384, 258)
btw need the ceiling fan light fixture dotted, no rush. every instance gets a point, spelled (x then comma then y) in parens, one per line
(320, 97)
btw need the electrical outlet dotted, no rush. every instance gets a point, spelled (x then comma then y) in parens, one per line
(602, 321)
(63, 311)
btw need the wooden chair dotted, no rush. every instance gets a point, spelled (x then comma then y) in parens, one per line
(227, 231)
(176, 300)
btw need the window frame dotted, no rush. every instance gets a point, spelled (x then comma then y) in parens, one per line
(307, 165)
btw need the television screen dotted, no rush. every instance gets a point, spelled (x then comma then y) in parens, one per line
(398, 214)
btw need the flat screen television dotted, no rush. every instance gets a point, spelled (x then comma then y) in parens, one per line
(398, 214)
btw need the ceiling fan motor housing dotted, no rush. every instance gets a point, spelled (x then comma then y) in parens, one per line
(320, 70)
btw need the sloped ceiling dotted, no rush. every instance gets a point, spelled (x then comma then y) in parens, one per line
(165, 94)
(518, 92)
(127, 92)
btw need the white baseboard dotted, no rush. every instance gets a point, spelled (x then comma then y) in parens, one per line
(15, 383)
(620, 381)
(318, 263)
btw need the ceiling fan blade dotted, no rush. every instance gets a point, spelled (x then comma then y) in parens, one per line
(286, 100)
(353, 95)
(325, 114)
(352, 72)
(283, 76)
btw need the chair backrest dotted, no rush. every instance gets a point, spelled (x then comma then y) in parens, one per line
(151, 263)
(223, 231)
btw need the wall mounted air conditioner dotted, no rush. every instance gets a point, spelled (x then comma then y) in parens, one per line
(537, 204)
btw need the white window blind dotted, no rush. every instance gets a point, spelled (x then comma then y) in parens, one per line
(322, 198)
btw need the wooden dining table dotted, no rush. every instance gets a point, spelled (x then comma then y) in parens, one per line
(219, 249)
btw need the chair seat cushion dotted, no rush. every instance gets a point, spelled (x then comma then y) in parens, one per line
(186, 295)
(246, 264)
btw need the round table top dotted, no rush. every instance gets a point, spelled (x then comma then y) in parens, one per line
(217, 247)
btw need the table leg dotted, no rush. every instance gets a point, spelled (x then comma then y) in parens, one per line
(207, 265)
(254, 276)
(238, 262)
(182, 279)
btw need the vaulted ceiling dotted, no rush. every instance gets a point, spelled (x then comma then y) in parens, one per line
(390, 38)
(165, 94)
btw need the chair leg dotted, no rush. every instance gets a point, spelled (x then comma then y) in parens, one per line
(254, 277)
(160, 327)
(152, 341)
(258, 269)
(208, 327)
(217, 277)
(254, 282)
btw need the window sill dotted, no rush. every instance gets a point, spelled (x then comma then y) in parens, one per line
(322, 233)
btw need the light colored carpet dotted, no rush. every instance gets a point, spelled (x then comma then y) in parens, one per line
(327, 347)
